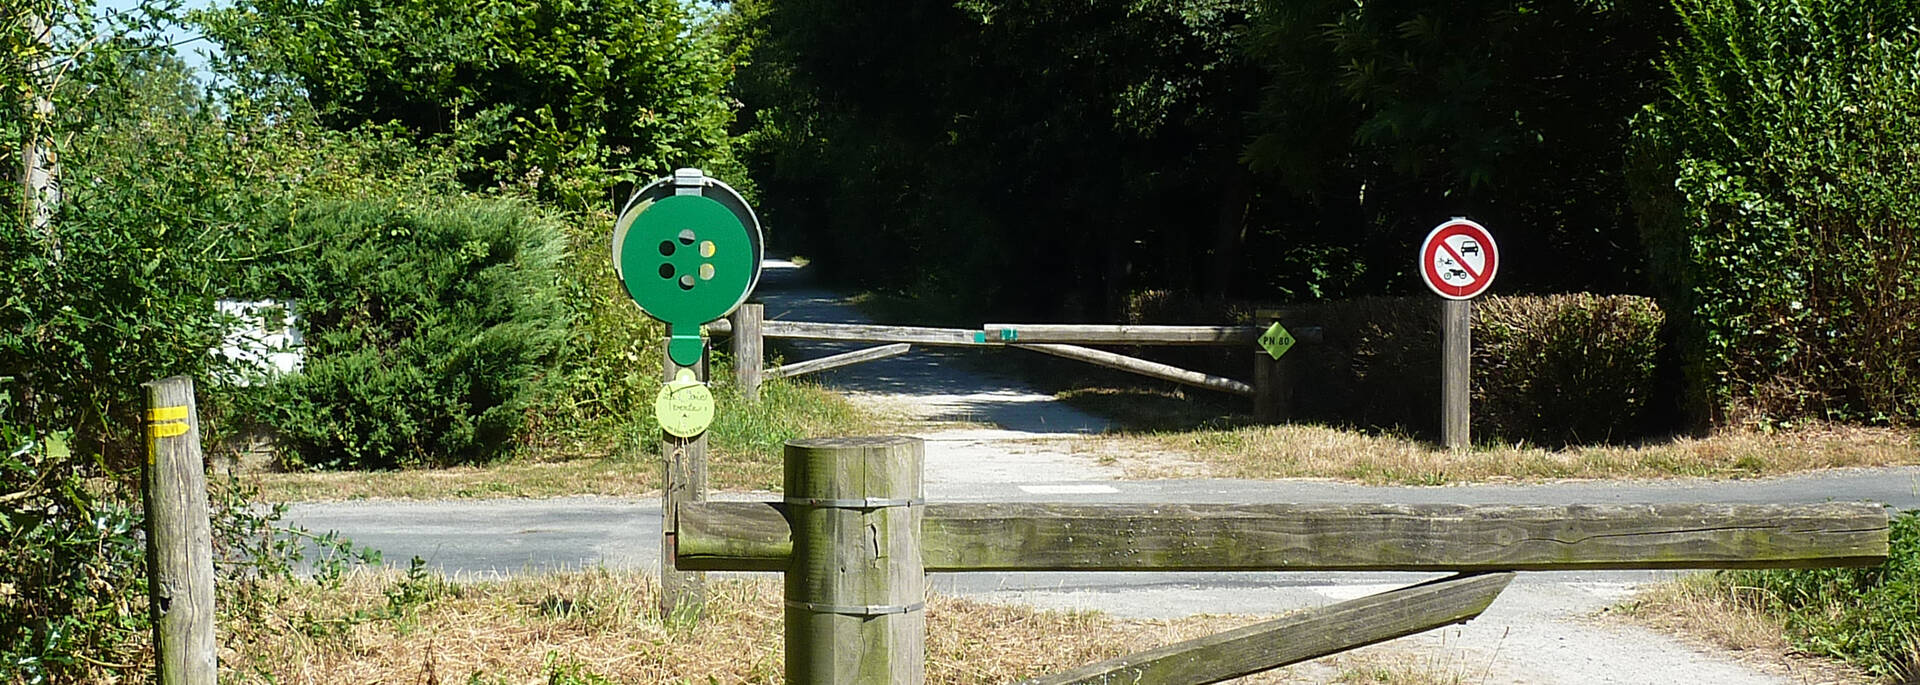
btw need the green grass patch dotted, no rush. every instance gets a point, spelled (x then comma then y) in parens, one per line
(1869, 617)
(747, 438)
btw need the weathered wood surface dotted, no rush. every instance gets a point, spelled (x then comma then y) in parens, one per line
(852, 332)
(1110, 334)
(855, 587)
(684, 481)
(1456, 373)
(1144, 367)
(1332, 537)
(748, 349)
(839, 360)
(179, 537)
(1300, 636)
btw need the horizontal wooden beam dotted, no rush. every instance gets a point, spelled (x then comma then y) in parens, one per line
(1106, 334)
(1144, 367)
(838, 360)
(754, 536)
(1298, 636)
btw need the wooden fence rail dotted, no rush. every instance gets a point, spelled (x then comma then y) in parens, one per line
(755, 536)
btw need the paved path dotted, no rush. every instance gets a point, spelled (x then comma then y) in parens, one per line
(1540, 631)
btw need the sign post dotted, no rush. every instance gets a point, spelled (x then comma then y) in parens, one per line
(687, 249)
(1458, 261)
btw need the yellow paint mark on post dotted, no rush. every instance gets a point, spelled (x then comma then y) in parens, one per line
(174, 413)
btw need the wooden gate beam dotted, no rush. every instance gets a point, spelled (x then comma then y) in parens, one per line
(1299, 636)
(838, 360)
(1112, 334)
(755, 536)
(1143, 367)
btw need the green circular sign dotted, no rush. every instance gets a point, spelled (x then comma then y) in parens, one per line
(687, 260)
(684, 406)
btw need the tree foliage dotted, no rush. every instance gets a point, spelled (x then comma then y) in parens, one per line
(430, 328)
(1388, 117)
(1777, 197)
(565, 96)
(995, 151)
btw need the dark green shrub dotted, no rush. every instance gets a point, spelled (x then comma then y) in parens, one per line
(1776, 194)
(1554, 369)
(429, 326)
(1565, 368)
(1867, 616)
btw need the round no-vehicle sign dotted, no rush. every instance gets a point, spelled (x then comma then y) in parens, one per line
(1458, 259)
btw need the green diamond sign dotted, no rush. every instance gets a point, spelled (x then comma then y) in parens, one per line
(1276, 341)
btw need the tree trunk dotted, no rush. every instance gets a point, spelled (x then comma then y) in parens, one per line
(41, 168)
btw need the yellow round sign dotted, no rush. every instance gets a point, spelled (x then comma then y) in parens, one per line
(684, 406)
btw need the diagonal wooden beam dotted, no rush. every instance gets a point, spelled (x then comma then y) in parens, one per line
(839, 360)
(1298, 637)
(1143, 367)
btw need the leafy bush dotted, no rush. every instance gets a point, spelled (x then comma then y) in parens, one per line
(1775, 185)
(1553, 369)
(429, 326)
(1867, 616)
(73, 580)
(1566, 368)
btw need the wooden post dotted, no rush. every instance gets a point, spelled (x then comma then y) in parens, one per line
(683, 479)
(855, 584)
(179, 537)
(747, 349)
(1456, 373)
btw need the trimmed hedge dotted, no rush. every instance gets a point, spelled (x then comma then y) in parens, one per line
(1554, 369)
(430, 329)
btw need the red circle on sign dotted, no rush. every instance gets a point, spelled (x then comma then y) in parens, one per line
(1458, 259)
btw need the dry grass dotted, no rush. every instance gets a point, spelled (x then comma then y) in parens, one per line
(1704, 609)
(599, 626)
(1307, 451)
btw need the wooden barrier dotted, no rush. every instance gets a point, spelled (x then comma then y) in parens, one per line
(855, 540)
(754, 536)
(839, 360)
(1143, 367)
(856, 592)
(1108, 334)
(179, 537)
(1299, 636)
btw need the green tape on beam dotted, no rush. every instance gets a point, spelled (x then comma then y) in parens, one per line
(1009, 335)
(980, 337)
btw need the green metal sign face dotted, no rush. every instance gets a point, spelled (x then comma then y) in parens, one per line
(686, 260)
(1276, 341)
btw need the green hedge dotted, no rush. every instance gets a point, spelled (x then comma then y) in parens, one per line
(1776, 193)
(430, 330)
(1548, 369)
